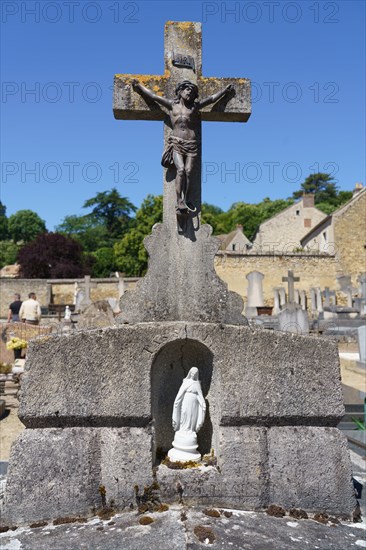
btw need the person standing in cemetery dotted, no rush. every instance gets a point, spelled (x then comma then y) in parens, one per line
(14, 308)
(30, 311)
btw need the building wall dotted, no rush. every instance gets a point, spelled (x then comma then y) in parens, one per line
(23, 287)
(284, 231)
(313, 271)
(322, 239)
(62, 290)
(350, 238)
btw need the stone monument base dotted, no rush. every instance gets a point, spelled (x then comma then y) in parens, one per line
(98, 422)
(184, 447)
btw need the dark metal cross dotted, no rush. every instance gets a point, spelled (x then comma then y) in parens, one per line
(183, 62)
(291, 279)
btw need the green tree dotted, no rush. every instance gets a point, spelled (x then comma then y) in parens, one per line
(104, 262)
(3, 222)
(131, 256)
(321, 185)
(25, 225)
(112, 211)
(214, 216)
(8, 253)
(90, 233)
(327, 196)
(250, 216)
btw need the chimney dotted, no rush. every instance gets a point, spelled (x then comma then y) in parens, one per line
(308, 200)
(358, 188)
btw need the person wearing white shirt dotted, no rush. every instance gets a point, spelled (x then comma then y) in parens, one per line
(30, 311)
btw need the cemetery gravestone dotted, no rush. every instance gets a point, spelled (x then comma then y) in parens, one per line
(254, 293)
(274, 435)
(88, 285)
(292, 318)
(313, 298)
(319, 301)
(282, 294)
(303, 300)
(276, 301)
(362, 345)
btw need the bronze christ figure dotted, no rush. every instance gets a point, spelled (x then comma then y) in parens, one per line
(183, 145)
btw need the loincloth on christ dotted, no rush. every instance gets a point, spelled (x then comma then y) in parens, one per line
(186, 147)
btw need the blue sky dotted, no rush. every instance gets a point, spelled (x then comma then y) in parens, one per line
(61, 144)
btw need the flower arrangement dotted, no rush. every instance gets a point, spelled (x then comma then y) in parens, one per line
(16, 343)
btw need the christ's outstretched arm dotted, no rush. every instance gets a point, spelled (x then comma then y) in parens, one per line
(148, 93)
(215, 97)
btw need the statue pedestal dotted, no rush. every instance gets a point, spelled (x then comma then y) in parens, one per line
(185, 447)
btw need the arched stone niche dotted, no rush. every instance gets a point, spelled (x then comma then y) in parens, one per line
(171, 364)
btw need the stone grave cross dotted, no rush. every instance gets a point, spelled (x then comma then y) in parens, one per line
(291, 279)
(88, 285)
(183, 62)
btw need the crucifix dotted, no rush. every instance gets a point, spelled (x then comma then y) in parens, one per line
(291, 279)
(181, 283)
(182, 98)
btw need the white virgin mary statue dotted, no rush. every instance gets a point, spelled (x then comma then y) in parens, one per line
(188, 417)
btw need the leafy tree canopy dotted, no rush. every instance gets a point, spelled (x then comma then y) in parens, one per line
(3, 222)
(111, 210)
(8, 252)
(327, 196)
(25, 225)
(91, 234)
(104, 262)
(52, 256)
(130, 253)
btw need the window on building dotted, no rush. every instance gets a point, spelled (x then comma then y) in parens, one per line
(297, 212)
(325, 235)
(233, 247)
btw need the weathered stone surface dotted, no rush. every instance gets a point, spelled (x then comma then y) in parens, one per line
(181, 37)
(251, 380)
(244, 468)
(86, 380)
(126, 461)
(181, 283)
(96, 315)
(235, 530)
(191, 486)
(309, 468)
(240, 479)
(293, 319)
(59, 472)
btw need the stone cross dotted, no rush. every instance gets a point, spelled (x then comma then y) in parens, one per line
(182, 61)
(181, 283)
(88, 285)
(291, 279)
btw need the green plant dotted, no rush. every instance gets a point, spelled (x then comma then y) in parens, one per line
(360, 424)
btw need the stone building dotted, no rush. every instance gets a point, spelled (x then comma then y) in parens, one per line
(343, 235)
(235, 241)
(284, 231)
